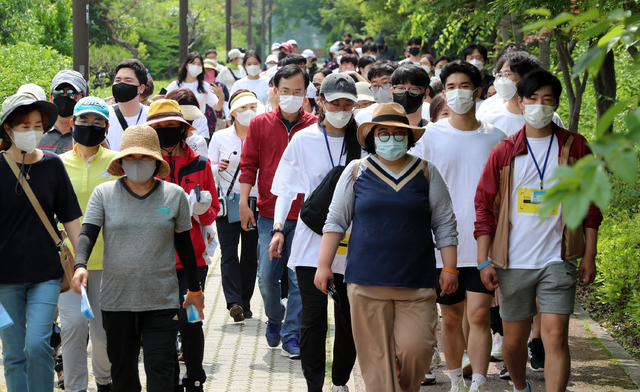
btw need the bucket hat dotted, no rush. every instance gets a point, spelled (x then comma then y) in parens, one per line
(210, 64)
(391, 114)
(33, 89)
(166, 110)
(139, 139)
(15, 101)
(364, 92)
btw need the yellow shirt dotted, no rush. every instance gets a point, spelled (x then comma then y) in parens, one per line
(84, 178)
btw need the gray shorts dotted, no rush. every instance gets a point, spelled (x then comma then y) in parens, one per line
(554, 286)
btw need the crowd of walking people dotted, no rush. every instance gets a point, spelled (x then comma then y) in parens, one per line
(398, 191)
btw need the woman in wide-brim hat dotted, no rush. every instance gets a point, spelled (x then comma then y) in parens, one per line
(30, 269)
(394, 202)
(145, 221)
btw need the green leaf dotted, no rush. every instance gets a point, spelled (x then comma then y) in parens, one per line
(612, 37)
(541, 24)
(539, 11)
(628, 21)
(591, 14)
(633, 125)
(625, 166)
(550, 202)
(607, 118)
(595, 30)
(592, 60)
(617, 14)
(574, 208)
(603, 190)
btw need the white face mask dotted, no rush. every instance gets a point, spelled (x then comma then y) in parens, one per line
(253, 70)
(339, 59)
(26, 141)
(426, 68)
(270, 65)
(356, 111)
(194, 70)
(538, 116)
(245, 117)
(290, 103)
(505, 88)
(138, 170)
(477, 63)
(338, 119)
(437, 72)
(460, 101)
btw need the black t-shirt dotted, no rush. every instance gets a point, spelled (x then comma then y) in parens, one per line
(27, 251)
(487, 81)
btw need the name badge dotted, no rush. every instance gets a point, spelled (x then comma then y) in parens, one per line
(529, 201)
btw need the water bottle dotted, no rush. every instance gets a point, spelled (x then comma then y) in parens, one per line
(193, 316)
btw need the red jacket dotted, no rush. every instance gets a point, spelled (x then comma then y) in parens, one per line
(263, 147)
(190, 170)
(493, 194)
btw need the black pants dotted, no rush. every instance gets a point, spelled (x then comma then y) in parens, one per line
(496, 320)
(156, 330)
(238, 274)
(192, 340)
(313, 332)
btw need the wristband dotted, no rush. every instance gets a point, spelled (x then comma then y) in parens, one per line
(451, 270)
(194, 293)
(273, 231)
(483, 264)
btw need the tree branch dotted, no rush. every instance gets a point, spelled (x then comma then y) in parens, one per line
(111, 26)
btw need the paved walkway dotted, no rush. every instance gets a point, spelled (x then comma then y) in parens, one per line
(237, 357)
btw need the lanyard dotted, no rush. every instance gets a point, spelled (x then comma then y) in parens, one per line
(329, 148)
(544, 168)
(140, 114)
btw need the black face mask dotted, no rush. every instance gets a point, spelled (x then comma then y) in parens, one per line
(88, 135)
(380, 47)
(65, 106)
(414, 51)
(169, 137)
(347, 41)
(123, 92)
(410, 103)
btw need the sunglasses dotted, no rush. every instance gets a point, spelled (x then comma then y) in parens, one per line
(71, 93)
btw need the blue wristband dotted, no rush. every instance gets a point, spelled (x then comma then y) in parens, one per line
(483, 264)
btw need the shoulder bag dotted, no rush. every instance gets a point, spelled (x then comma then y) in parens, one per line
(231, 200)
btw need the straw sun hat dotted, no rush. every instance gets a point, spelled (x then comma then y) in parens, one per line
(390, 114)
(139, 139)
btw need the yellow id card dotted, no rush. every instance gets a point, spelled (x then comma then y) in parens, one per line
(342, 249)
(529, 201)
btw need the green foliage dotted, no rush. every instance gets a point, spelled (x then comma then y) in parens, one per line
(27, 63)
(55, 21)
(162, 46)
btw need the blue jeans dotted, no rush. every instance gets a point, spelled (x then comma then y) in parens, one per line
(269, 274)
(28, 355)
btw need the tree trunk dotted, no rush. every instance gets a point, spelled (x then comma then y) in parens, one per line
(545, 53)
(573, 87)
(504, 30)
(516, 27)
(605, 86)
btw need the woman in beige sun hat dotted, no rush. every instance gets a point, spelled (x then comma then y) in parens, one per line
(145, 221)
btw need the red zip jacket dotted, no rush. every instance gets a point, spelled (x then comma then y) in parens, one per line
(188, 171)
(263, 147)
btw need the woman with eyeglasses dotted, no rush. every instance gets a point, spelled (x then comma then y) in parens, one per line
(320, 150)
(225, 150)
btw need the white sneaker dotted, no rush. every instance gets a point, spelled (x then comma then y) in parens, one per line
(467, 371)
(339, 388)
(459, 386)
(496, 348)
(477, 387)
(436, 360)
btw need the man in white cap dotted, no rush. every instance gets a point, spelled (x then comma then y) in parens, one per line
(233, 71)
(294, 44)
(275, 49)
(309, 55)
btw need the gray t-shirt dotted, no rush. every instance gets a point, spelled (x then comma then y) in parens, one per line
(139, 257)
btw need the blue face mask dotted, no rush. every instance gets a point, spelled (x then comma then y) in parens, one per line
(391, 150)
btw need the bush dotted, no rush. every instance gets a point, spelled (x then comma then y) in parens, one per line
(29, 63)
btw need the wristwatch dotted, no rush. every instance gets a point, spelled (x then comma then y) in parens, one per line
(273, 231)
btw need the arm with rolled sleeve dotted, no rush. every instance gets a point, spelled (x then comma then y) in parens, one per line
(443, 219)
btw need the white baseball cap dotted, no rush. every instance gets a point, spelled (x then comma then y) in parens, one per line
(292, 42)
(275, 46)
(234, 53)
(270, 58)
(308, 54)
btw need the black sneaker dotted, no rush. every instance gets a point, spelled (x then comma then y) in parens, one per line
(237, 313)
(247, 313)
(537, 355)
(504, 373)
(429, 379)
(104, 388)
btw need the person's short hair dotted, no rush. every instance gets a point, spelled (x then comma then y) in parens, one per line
(346, 34)
(414, 41)
(412, 74)
(459, 66)
(510, 48)
(368, 38)
(369, 47)
(251, 53)
(370, 144)
(210, 51)
(471, 47)
(137, 67)
(149, 87)
(357, 41)
(437, 104)
(241, 49)
(435, 87)
(365, 60)
(429, 57)
(349, 58)
(440, 58)
(535, 80)
(342, 47)
(288, 71)
(520, 62)
(325, 71)
(382, 68)
(294, 58)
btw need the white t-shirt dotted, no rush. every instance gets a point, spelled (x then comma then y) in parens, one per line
(460, 156)
(303, 166)
(425, 111)
(510, 123)
(206, 98)
(258, 86)
(486, 105)
(533, 244)
(408, 60)
(223, 143)
(227, 78)
(114, 135)
(366, 114)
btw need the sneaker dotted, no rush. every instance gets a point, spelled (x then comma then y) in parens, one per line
(467, 371)
(273, 334)
(459, 386)
(339, 388)
(429, 379)
(477, 387)
(504, 373)
(247, 313)
(496, 348)
(436, 360)
(237, 313)
(104, 388)
(291, 349)
(537, 355)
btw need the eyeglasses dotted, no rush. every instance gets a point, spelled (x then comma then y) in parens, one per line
(375, 88)
(71, 93)
(337, 108)
(504, 74)
(97, 123)
(385, 136)
(297, 93)
(414, 91)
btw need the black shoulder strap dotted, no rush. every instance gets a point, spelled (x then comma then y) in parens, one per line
(121, 120)
(234, 75)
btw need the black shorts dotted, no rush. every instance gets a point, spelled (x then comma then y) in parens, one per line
(468, 280)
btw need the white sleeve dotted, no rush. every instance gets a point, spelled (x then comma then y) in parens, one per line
(214, 153)
(287, 182)
(172, 86)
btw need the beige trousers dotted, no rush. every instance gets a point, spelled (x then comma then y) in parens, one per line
(393, 331)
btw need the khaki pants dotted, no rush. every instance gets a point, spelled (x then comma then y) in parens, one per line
(393, 332)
